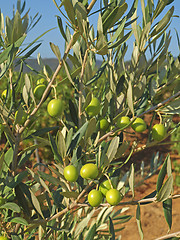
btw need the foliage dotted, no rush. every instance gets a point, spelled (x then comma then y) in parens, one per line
(38, 198)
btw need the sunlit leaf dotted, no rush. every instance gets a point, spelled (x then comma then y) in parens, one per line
(131, 179)
(165, 190)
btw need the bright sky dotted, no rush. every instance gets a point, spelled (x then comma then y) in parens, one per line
(48, 11)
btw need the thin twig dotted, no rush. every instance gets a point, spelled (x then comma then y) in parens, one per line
(91, 5)
(168, 236)
(59, 214)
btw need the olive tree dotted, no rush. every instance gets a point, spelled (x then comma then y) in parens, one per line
(108, 102)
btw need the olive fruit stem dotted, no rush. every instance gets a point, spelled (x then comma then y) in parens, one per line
(55, 94)
(160, 118)
(108, 180)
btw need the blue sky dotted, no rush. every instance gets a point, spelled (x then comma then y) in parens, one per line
(48, 11)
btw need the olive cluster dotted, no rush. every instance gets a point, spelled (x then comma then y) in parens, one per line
(139, 125)
(95, 196)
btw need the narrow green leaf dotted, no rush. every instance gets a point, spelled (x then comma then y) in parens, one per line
(75, 61)
(8, 158)
(1, 162)
(75, 37)
(134, 23)
(60, 24)
(36, 203)
(73, 112)
(28, 54)
(172, 108)
(151, 195)
(68, 74)
(97, 74)
(15, 237)
(112, 149)
(29, 45)
(167, 207)
(119, 30)
(77, 137)
(165, 190)
(56, 51)
(143, 11)
(91, 233)
(162, 174)
(91, 128)
(49, 178)
(41, 132)
(22, 201)
(17, 179)
(178, 40)
(111, 229)
(169, 168)
(72, 75)
(133, 9)
(37, 179)
(70, 194)
(25, 157)
(123, 219)
(120, 41)
(69, 138)
(61, 144)
(101, 43)
(114, 16)
(130, 98)
(19, 220)
(11, 206)
(4, 55)
(163, 23)
(160, 7)
(144, 36)
(69, 10)
(138, 220)
(54, 148)
(83, 224)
